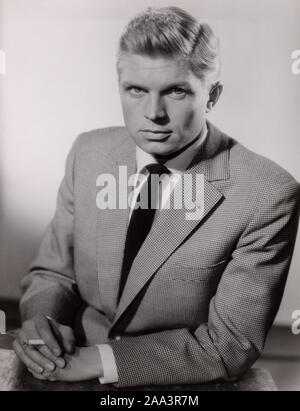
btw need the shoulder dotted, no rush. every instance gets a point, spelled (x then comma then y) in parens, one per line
(93, 148)
(262, 174)
(103, 138)
(97, 145)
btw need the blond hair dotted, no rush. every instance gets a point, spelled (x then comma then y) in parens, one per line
(172, 32)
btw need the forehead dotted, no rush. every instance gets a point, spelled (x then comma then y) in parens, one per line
(154, 72)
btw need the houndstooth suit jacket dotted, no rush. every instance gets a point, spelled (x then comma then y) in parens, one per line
(201, 294)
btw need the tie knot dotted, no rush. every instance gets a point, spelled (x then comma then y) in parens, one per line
(156, 168)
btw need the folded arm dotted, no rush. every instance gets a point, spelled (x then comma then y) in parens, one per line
(240, 315)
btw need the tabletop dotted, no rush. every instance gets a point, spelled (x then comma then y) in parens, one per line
(15, 377)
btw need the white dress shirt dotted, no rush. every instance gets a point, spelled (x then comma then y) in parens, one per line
(176, 166)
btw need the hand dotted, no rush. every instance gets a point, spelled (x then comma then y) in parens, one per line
(84, 364)
(57, 337)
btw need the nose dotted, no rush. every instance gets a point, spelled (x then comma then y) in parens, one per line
(155, 109)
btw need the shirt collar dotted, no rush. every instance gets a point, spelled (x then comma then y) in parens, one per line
(177, 164)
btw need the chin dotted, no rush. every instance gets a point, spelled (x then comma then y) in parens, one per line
(161, 149)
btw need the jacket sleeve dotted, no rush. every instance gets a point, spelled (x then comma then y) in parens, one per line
(240, 314)
(49, 286)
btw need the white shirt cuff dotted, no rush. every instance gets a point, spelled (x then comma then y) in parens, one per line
(110, 372)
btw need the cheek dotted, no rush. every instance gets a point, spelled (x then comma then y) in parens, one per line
(188, 117)
(131, 112)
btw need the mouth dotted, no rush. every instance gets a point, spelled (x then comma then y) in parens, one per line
(157, 135)
(157, 131)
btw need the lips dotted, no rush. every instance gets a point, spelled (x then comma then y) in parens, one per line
(157, 131)
(156, 135)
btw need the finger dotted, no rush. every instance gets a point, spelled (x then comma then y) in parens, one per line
(33, 354)
(68, 338)
(46, 333)
(55, 327)
(44, 377)
(25, 359)
(31, 332)
(45, 351)
(38, 376)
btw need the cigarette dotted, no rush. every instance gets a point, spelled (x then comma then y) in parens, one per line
(36, 342)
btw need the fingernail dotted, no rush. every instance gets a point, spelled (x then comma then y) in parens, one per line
(40, 370)
(50, 367)
(70, 348)
(60, 363)
(56, 351)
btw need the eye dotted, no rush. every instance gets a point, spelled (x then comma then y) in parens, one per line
(136, 91)
(178, 92)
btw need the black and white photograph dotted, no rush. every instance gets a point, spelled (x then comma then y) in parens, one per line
(149, 198)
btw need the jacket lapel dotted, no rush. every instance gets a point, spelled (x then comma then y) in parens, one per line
(171, 227)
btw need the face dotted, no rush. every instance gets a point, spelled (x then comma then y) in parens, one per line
(164, 103)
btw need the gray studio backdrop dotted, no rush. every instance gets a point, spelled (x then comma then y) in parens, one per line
(60, 80)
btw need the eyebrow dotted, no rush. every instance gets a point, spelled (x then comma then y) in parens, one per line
(169, 86)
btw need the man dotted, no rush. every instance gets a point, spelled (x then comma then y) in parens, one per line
(138, 298)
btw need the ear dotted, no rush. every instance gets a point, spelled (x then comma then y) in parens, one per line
(214, 94)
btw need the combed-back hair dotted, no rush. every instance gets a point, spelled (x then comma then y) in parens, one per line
(172, 32)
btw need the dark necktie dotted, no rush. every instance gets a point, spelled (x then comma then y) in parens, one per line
(141, 220)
